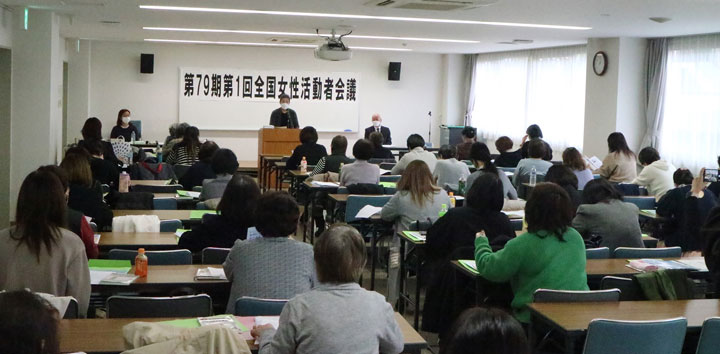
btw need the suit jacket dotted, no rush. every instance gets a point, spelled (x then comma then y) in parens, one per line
(276, 118)
(385, 131)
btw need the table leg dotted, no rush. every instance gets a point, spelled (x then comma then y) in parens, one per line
(418, 275)
(401, 302)
(312, 220)
(373, 256)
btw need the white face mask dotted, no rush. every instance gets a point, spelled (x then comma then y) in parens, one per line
(126, 120)
(376, 123)
(285, 106)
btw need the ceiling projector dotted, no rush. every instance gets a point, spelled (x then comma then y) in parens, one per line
(334, 49)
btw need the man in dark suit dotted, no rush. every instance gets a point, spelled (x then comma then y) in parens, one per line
(377, 127)
(284, 116)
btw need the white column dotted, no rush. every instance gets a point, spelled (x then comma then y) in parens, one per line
(36, 104)
(78, 87)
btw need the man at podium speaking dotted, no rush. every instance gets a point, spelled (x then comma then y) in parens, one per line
(284, 116)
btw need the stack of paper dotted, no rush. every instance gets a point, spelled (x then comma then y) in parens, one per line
(517, 214)
(210, 274)
(653, 264)
(324, 184)
(385, 172)
(108, 271)
(188, 194)
(118, 279)
(367, 211)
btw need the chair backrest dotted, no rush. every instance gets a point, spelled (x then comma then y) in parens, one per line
(629, 290)
(214, 255)
(252, 306)
(343, 190)
(641, 202)
(139, 306)
(380, 161)
(201, 206)
(357, 202)
(547, 295)
(387, 165)
(164, 203)
(134, 201)
(709, 337)
(180, 170)
(420, 225)
(172, 257)
(197, 189)
(517, 224)
(138, 126)
(635, 337)
(93, 226)
(507, 169)
(627, 189)
(664, 252)
(390, 178)
(171, 188)
(170, 225)
(597, 253)
(522, 189)
(72, 310)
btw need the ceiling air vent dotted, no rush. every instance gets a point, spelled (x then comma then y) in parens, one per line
(294, 40)
(430, 5)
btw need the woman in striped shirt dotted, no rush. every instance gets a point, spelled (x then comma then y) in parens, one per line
(186, 151)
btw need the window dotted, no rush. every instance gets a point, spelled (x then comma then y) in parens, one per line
(542, 86)
(689, 134)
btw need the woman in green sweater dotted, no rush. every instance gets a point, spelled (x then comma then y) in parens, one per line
(551, 255)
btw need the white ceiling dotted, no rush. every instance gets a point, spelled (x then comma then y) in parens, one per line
(608, 18)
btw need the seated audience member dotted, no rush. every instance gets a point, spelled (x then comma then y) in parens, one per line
(710, 236)
(574, 160)
(92, 131)
(686, 208)
(273, 266)
(379, 151)
(175, 137)
(76, 221)
(234, 217)
(619, 166)
(186, 151)
(37, 253)
(103, 171)
(378, 128)
(360, 171)
(123, 128)
(565, 178)
(714, 187)
(536, 150)
(452, 237)
(86, 195)
(556, 249)
(416, 147)
(534, 133)
(468, 138)
(308, 148)
(337, 316)
(224, 164)
(483, 330)
(506, 159)
(656, 175)
(480, 157)
(448, 170)
(604, 214)
(201, 170)
(416, 199)
(29, 324)
(337, 158)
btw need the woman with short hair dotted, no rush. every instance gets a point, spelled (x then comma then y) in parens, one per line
(551, 255)
(224, 165)
(308, 148)
(338, 316)
(481, 330)
(379, 151)
(360, 171)
(337, 158)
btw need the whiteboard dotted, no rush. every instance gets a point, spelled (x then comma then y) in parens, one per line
(239, 99)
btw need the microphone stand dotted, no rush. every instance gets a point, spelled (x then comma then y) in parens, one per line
(429, 127)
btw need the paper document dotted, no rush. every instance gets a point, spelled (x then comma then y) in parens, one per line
(517, 214)
(415, 235)
(388, 184)
(180, 232)
(469, 264)
(368, 211)
(210, 274)
(324, 184)
(118, 279)
(594, 162)
(648, 212)
(97, 275)
(110, 265)
(271, 320)
(97, 238)
(190, 194)
(222, 320)
(697, 263)
(385, 172)
(653, 264)
(253, 233)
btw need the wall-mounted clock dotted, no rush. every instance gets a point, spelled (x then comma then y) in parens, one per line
(600, 63)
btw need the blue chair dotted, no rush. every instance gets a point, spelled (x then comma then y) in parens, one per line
(390, 178)
(597, 253)
(180, 170)
(641, 202)
(140, 306)
(170, 225)
(343, 190)
(201, 206)
(635, 337)
(357, 202)
(665, 252)
(164, 203)
(390, 190)
(173, 257)
(517, 224)
(214, 255)
(252, 306)
(547, 295)
(709, 337)
(387, 165)
(138, 126)
(629, 290)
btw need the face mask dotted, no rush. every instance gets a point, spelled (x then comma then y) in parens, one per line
(126, 120)
(376, 123)
(285, 105)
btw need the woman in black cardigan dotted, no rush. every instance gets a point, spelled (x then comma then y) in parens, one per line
(309, 148)
(235, 216)
(452, 237)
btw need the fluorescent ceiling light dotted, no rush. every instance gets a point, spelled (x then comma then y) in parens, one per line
(359, 17)
(273, 33)
(266, 44)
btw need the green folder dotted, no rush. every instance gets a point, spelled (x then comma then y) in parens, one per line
(198, 214)
(469, 264)
(183, 193)
(388, 184)
(110, 265)
(193, 323)
(411, 235)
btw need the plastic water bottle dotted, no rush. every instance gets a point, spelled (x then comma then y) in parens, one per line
(124, 183)
(303, 165)
(533, 176)
(443, 210)
(452, 199)
(132, 136)
(141, 263)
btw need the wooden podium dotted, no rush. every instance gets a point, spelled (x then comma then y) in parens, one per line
(272, 145)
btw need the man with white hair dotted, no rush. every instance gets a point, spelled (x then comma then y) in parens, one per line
(377, 127)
